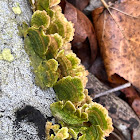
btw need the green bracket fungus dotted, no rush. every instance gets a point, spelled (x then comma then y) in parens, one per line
(44, 4)
(40, 18)
(55, 46)
(70, 66)
(68, 113)
(46, 73)
(69, 88)
(55, 65)
(39, 41)
(98, 115)
(92, 133)
(91, 120)
(60, 134)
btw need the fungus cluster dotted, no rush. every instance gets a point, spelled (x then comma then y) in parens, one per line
(55, 65)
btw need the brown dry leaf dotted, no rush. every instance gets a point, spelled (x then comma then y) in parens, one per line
(119, 40)
(84, 31)
(133, 99)
(136, 106)
(98, 69)
(82, 50)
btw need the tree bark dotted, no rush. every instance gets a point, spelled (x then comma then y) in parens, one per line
(24, 107)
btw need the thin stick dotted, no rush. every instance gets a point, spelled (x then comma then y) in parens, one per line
(105, 4)
(112, 90)
(108, 6)
(123, 12)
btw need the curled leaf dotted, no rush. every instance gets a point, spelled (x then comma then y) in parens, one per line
(79, 4)
(118, 36)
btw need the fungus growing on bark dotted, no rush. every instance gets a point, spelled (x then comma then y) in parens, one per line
(46, 43)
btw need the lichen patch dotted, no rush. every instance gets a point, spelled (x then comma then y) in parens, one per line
(17, 9)
(6, 55)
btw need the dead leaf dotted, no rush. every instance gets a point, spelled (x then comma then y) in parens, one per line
(79, 4)
(119, 40)
(131, 94)
(82, 50)
(133, 98)
(98, 69)
(84, 31)
(96, 4)
(136, 106)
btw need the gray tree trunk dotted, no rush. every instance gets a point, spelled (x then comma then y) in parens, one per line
(19, 95)
(24, 107)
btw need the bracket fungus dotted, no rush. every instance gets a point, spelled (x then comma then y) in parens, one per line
(46, 43)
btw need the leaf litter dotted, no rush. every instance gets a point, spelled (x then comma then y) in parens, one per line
(117, 29)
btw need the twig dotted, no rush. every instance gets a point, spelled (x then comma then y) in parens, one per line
(123, 12)
(105, 4)
(112, 90)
